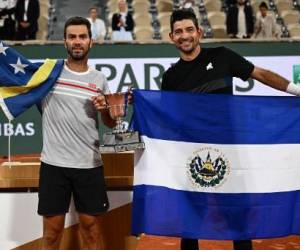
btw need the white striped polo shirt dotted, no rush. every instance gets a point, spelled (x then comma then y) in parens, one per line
(70, 121)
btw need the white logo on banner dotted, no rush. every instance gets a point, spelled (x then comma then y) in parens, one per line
(18, 129)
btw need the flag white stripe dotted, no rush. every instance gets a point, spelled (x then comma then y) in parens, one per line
(5, 109)
(253, 168)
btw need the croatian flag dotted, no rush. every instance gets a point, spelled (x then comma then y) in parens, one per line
(217, 166)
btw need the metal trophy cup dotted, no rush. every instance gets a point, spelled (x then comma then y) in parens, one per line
(120, 139)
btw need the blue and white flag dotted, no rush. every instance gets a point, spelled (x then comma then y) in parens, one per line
(22, 83)
(217, 166)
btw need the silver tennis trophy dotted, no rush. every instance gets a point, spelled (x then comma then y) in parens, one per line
(121, 138)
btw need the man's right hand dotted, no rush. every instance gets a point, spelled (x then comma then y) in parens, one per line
(99, 103)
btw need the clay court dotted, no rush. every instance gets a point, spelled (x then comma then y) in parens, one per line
(168, 243)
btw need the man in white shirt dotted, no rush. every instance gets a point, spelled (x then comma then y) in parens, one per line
(265, 25)
(242, 30)
(97, 25)
(71, 164)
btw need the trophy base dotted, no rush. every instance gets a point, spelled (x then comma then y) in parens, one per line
(121, 148)
(120, 142)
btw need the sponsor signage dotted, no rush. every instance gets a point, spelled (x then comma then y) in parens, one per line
(142, 73)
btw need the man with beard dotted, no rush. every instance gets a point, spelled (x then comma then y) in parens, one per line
(71, 164)
(210, 70)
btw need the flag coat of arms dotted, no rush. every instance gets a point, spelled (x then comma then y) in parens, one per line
(22, 83)
(216, 166)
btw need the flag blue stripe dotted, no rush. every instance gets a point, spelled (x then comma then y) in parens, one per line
(215, 216)
(20, 103)
(219, 119)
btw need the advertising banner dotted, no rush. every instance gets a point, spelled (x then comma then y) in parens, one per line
(142, 73)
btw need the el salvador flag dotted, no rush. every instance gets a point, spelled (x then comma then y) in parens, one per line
(22, 83)
(217, 166)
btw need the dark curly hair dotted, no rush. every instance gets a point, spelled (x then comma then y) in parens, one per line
(78, 20)
(179, 15)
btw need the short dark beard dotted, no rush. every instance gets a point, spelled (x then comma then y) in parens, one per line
(77, 57)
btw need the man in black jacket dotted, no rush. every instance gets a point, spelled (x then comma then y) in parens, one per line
(27, 15)
(240, 21)
(122, 23)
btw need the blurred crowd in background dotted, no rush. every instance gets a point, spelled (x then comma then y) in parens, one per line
(144, 20)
